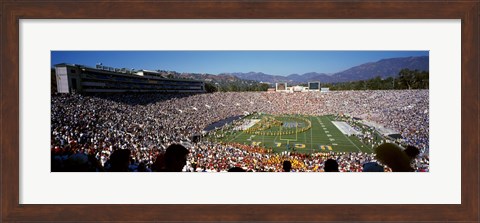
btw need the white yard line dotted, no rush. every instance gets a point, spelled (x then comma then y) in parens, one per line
(326, 143)
(236, 137)
(311, 135)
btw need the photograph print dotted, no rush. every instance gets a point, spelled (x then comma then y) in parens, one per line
(239, 111)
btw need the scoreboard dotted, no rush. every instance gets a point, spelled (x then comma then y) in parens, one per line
(314, 86)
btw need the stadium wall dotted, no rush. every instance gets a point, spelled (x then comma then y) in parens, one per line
(82, 79)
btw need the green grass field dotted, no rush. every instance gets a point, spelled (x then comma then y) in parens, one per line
(323, 136)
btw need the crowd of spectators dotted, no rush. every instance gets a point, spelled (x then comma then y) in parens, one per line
(211, 157)
(88, 129)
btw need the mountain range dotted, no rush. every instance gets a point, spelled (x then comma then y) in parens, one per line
(383, 68)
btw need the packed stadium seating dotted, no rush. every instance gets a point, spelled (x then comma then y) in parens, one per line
(146, 124)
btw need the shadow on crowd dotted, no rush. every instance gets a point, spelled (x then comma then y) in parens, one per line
(389, 157)
(134, 99)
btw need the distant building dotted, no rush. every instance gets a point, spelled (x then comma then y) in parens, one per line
(149, 73)
(271, 90)
(82, 79)
(281, 87)
(299, 89)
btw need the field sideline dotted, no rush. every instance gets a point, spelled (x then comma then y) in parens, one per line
(323, 136)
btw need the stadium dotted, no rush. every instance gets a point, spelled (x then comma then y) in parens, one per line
(253, 131)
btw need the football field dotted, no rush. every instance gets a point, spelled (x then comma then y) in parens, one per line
(319, 134)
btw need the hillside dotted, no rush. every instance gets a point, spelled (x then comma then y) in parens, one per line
(382, 68)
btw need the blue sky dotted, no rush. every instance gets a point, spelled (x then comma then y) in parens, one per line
(215, 62)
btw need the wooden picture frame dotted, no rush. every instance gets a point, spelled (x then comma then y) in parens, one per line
(12, 11)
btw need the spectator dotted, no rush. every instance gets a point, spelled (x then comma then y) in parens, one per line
(372, 167)
(236, 169)
(331, 165)
(175, 158)
(287, 166)
(120, 160)
(394, 157)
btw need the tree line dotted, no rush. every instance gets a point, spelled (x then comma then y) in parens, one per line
(406, 79)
